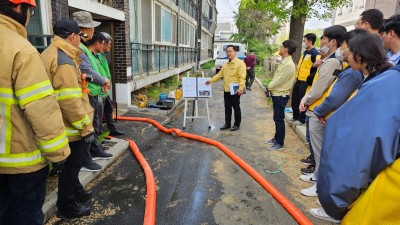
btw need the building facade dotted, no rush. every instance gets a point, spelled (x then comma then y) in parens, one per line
(347, 16)
(153, 39)
(114, 18)
(167, 37)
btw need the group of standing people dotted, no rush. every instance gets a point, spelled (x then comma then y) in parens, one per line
(51, 110)
(347, 96)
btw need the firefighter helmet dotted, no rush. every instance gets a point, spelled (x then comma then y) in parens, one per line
(29, 2)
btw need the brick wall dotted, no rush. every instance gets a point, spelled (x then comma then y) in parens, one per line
(59, 10)
(122, 48)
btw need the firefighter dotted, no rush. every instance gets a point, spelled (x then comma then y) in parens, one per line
(62, 66)
(32, 131)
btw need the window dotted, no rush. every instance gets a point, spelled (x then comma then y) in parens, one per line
(165, 25)
(35, 23)
(186, 33)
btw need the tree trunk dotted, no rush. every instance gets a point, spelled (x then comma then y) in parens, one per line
(297, 29)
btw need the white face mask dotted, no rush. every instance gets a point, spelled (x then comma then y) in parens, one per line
(304, 45)
(325, 49)
(339, 54)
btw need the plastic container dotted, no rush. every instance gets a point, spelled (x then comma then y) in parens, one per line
(169, 103)
(163, 96)
(142, 101)
(178, 94)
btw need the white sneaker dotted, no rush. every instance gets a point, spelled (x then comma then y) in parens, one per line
(318, 202)
(321, 214)
(310, 192)
(308, 178)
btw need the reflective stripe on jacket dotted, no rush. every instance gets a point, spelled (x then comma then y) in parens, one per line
(62, 67)
(32, 132)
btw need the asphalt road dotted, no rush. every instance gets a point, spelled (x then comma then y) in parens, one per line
(196, 183)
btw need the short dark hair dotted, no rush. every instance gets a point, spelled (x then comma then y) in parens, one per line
(374, 17)
(349, 35)
(393, 23)
(335, 32)
(290, 45)
(97, 37)
(311, 37)
(235, 48)
(367, 48)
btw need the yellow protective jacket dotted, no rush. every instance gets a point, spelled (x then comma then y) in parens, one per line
(380, 203)
(305, 65)
(32, 132)
(62, 66)
(232, 72)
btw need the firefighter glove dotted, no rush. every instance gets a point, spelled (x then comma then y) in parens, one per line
(89, 138)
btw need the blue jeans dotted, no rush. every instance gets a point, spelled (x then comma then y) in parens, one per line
(279, 103)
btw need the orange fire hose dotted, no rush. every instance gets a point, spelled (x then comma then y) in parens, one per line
(150, 210)
(290, 208)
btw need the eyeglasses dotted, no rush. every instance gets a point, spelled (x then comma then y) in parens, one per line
(32, 12)
(82, 34)
(107, 43)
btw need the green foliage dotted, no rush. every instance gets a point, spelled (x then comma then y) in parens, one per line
(166, 85)
(153, 93)
(263, 18)
(262, 50)
(208, 65)
(254, 22)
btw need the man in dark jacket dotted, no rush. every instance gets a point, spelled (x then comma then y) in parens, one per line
(250, 61)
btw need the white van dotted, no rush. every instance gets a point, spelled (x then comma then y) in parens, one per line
(221, 54)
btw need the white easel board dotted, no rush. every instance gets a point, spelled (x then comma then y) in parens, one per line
(195, 87)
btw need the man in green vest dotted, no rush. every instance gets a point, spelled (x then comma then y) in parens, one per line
(97, 85)
(107, 106)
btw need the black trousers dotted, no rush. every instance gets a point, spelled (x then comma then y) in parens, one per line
(232, 101)
(22, 197)
(249, 78)
(97, 105)
(68, 180)
(108, 112)
(95, 146)
(279, 103)
(299, 90)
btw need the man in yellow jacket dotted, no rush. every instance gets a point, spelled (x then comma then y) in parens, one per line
(233, 72)
(280, 87)
(32, 132)
(62, 66)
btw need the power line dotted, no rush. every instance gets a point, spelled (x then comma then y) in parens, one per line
(230, 6)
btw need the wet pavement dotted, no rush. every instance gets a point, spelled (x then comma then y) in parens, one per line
(197, 183)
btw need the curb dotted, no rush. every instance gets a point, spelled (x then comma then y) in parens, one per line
(300, 130)
(121, 146)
